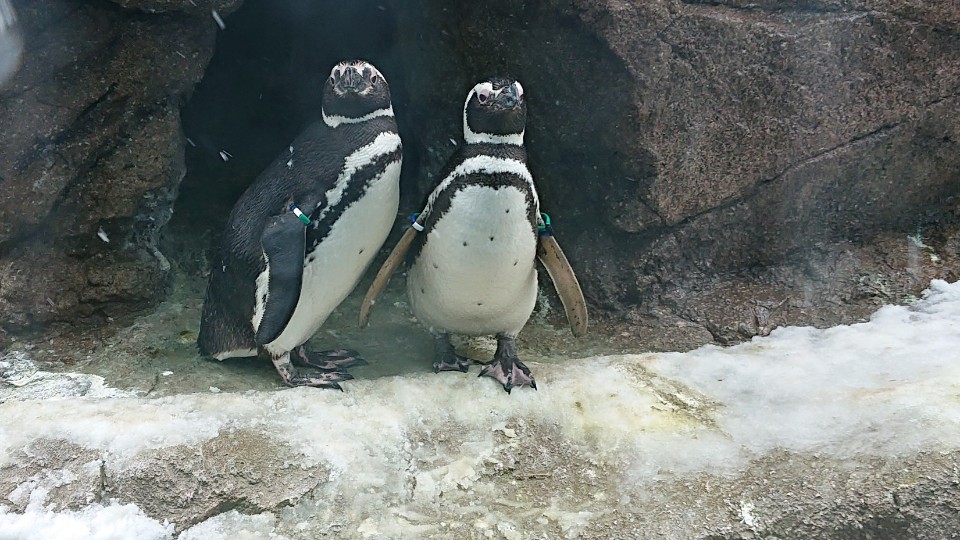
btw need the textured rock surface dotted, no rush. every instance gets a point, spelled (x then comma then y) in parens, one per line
(841, 434)
(732, 166)
(222, 7)
(695, 150)
(91, 155)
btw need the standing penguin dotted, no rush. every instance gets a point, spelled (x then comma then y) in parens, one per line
(472, 265)
(301, 236)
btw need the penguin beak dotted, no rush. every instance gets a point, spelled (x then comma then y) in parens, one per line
(508, 98)
(350, 81)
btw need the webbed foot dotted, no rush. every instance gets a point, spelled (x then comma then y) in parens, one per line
(319, 379)
(446, 358)
(506, 368)
(334, 360)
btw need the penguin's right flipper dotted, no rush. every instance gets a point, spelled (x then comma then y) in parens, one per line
(284, 242)
(386, 272)
(565, 281)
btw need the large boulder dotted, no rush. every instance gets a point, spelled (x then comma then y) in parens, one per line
(739, 165)
(722, 166)
(91, 155)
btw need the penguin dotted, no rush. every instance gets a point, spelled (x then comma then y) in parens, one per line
(472, 251)
(300, 237)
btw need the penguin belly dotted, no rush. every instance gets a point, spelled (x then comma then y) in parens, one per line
(476, 273)
(332, 269)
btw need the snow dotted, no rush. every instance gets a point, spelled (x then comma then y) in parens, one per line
(95, 522)
(880, 387)
(233, 525)
(886, 387)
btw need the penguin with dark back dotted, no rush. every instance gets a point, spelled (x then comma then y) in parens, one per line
(300, 237)
(472, 249)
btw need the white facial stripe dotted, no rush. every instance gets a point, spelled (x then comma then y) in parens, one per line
(263, 291)
(336, 120)
(486, 165)
(472, 137)
(385, 143)
(519, 88)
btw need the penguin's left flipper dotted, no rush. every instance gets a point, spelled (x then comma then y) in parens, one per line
(283, 242)
(386, 272)
(565, 281)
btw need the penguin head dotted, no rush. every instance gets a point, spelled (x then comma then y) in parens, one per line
(355, 89)
(495, 112)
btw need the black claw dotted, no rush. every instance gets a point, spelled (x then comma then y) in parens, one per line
(318, 379)
(446, 358)
(506, 368)
(335, 360)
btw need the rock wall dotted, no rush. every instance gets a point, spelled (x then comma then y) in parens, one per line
(732, 165)
(738, 165)
(91, 155)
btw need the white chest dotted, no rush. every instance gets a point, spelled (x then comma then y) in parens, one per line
(334, 267)
(476, 271)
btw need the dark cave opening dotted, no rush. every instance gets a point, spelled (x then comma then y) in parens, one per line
(261, 88)
(263, 84)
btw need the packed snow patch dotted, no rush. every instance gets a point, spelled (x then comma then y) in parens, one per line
(887, 386)
(95, 522)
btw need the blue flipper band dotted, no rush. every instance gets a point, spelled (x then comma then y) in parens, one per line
(413, 222)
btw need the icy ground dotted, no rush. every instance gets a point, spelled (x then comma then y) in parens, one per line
(845, 431)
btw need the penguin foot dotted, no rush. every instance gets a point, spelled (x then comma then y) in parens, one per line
(445, 358)
(506, 368)
(334, 360)
(319, 379)
(451, 362)
(511, 373)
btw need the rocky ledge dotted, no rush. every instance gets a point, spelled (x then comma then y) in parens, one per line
(845, 433)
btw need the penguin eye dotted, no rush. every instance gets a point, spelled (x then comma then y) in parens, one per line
(374, 79)
(483, 95)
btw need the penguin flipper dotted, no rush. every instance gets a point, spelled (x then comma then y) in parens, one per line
(565, 281)
(386, 272)
(284, 242)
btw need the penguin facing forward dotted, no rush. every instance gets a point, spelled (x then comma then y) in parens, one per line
(298, 240)
(473, 248)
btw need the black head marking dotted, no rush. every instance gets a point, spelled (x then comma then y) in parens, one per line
(354, 90)
(495, 112)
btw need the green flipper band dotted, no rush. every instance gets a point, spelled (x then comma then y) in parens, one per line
(545, 228)
(300, 215)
